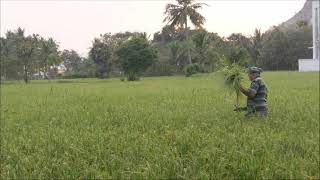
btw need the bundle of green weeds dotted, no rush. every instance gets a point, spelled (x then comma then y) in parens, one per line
(233, 76)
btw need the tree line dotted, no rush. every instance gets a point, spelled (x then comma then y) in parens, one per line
(176, 49)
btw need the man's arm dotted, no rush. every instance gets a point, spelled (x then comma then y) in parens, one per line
(248, 92)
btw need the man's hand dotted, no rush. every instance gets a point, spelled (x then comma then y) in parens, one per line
(243, 90)
(247, 92)
(236, 109)
(239, 109)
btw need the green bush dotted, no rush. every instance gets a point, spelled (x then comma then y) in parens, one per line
(135, 56)
(191, 69)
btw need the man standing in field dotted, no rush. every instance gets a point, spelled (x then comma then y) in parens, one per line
(256, 94)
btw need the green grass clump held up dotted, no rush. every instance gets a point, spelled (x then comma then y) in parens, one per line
(233, 76)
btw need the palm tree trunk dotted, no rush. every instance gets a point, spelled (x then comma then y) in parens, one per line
(187, 40)
(45, 71)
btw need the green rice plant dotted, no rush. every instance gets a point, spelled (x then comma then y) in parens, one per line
(158, 128)
(233, 76)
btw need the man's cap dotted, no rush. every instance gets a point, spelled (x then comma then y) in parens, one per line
(254, 70)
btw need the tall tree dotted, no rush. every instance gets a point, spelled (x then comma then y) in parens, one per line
(11, 66)
(103, 48)
(252, 44)
(175, 49)
(282, 49)
(167, 34)
(9, 63)
(101, 53)
(256, 41)
(135, 56)
(239, 39)
(25, 49)
(48, 55)
(22, 55)
(178, 15)
(274, 53)
(202, 43)
(71, 60)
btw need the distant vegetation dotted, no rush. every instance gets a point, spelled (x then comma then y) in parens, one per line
(175, 47)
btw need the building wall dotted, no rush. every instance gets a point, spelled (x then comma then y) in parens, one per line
(306, 65)
(313, 64)
(316, 28)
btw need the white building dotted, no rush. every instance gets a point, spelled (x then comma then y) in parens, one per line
(313, 64)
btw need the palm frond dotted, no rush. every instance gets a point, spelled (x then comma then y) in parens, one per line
(199, 5)
(177, 14)
(196, 18)
(170, 7)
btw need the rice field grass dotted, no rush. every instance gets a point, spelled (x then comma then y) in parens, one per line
(158, 128)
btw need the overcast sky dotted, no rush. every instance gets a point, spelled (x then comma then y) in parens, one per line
(74, 24)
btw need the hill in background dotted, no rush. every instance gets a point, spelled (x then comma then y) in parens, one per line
(303, 16)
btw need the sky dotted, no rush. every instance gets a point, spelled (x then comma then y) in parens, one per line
(74, 24)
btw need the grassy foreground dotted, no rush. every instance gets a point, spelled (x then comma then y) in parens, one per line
(166, 127)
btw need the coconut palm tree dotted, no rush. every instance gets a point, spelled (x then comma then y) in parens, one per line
(256, 45)
(49, 54)
(178, 15)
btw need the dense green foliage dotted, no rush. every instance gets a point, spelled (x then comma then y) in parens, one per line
(158, 128)
(135, 56)
(177, 45)
(101, 53)
(22, 55)
(281, 50)
(191, 69)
